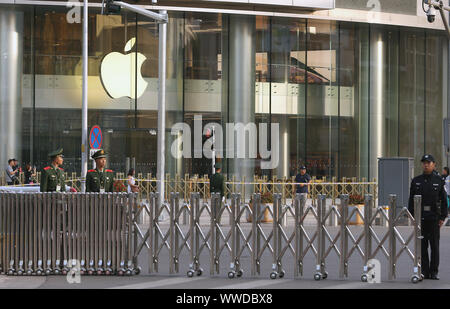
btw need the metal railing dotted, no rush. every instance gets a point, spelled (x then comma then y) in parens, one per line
(43, 233)
(332, 188)
(49, 233)
(230, 242)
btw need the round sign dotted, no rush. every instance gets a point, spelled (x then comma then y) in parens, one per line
(95, 137)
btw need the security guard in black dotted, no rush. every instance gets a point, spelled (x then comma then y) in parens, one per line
(434, 211)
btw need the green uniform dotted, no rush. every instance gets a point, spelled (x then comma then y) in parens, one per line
(52, 179)
(96, 180)
(217, 184)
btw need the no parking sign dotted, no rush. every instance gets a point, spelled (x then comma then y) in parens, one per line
(95, 141)
(95, 137)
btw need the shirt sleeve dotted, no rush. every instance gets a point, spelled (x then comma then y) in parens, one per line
(43, 184)
(411, 198)
(88, 182)
(444, 203)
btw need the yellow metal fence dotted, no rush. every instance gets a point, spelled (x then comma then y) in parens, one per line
(332, 188)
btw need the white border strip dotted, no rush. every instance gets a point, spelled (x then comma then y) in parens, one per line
(335, 14)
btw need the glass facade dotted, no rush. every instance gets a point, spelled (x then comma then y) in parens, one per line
(342, 93)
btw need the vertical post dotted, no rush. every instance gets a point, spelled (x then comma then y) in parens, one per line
(344, 239)
(418, 235)
(296, 232)
(256, 201)
(192, 225)
(171, 232)
(215, 197)
(320, 234)
(234, 201)
(368, 203)
(161, 108)
(392, 247)
(84, 106)
(150, 231)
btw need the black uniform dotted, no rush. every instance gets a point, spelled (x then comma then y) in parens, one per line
(302, 179)
(434, 208)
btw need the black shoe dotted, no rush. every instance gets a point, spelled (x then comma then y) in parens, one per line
(426, 276)
(434, 277)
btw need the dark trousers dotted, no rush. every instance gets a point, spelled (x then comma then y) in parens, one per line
(431, 235)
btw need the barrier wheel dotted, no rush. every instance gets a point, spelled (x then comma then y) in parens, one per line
(56, 271)
(415, 279)
(273, 275)
(19, 272)
(317, 276)
(231, 274)
(199, 272)
(281, 274)
(190, 273)
(239, 273)
(364, 278)
(90, 272)
(39, 272)
(30, 272)
(325, 275)
(10, 272)
(121, 272)
(137, 270)
(128, 272)
(48, 272)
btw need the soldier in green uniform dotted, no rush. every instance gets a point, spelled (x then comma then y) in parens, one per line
(100, 180)
(217, 182)
(52, 176)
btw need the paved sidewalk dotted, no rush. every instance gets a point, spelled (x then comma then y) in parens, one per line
(180, 281)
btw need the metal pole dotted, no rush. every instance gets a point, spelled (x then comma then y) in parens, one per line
(84, 107)
(213, 150)
(161, 109)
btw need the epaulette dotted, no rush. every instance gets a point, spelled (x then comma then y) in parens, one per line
(47, 168)
(109, 171)
(61, 169)
(90, 171)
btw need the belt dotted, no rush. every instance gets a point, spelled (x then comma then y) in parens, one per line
(426, 208)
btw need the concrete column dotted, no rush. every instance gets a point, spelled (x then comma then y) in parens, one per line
(11, 57)
(241, 83)
(377, 114)
(283, 164)
(281, 66)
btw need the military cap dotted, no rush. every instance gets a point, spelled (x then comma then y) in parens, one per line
(303, 167)
(218, 165)
(56, 153)
(428, 158)
(99, 154)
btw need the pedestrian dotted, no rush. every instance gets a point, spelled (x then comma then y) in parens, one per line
(100, 179)
(302, 179)
(11, 173)
(29, 174)
(132, 187)
(52, 176)
(446, 179)
(434, 211)
(217, 182)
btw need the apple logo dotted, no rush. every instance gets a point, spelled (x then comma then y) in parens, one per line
(118, 73)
